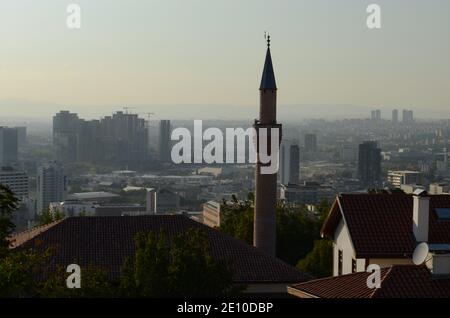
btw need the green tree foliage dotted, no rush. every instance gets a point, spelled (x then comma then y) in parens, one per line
(318, 262)
(237, 218)
(8, 204)
(296, 229)
(18, 272)
(180, 267)
(94, 284)
(47, 217)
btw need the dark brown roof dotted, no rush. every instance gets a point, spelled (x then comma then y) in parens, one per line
(380, 225)
(106, 241)
(398, 281)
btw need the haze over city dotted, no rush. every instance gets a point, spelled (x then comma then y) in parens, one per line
(187, 59)
(248, 151)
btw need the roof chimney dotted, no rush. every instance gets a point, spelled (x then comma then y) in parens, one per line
(421, 215)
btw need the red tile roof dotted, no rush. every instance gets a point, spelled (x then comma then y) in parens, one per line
(380, 225)
(398, 281)
(106, 241)
(20, 238)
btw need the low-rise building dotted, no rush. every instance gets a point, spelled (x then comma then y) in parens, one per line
(306, 193)
(211, 213)
(162, 201)
(398, 178)
(439, 188)
(384, 230)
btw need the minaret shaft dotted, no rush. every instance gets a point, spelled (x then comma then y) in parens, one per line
(264, 231)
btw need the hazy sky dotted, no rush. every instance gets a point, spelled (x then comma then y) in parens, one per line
(210, 52)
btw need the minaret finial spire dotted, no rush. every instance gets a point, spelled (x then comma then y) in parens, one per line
(267, 37)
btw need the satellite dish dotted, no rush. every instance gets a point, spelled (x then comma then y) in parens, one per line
(420, 253)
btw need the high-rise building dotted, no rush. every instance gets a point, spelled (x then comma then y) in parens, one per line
(310, 142)
(120, 139)
(289, 163)
(66, 127)
(294, 173)
(16, 180)
(264, 228)
(395, 116)
(408, 116)
(376, 115)
(8, 146)
(285, 165)
(369, 164)
(21, 135)
(164, 141)
(51, 185)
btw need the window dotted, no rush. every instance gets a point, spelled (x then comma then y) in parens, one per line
(443, 213)
(340, 262)
(353, 265)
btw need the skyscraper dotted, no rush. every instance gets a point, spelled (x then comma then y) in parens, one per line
(164, 140)
(375, 115)
(65, 130)
(8, 146)
(310, 142)
(51, 185)
(289, 163)
(264, 231)
(369, 165)
(294, 173)
(395, 116)
(408, 116)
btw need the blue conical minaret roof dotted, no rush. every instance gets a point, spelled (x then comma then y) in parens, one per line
(268, 76)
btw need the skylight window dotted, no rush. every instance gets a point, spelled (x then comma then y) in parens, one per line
(443, 213)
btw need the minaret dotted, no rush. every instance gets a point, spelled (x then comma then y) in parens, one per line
(264, 231)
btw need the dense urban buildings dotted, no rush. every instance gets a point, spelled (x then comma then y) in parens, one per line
(120, 139)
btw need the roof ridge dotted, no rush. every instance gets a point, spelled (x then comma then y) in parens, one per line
(32, 233)
(382, 279)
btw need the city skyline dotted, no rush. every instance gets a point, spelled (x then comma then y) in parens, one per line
(324, 52)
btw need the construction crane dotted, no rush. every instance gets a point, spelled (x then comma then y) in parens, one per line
(126, 108)
(149, 115)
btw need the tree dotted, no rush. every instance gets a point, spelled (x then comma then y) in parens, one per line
(180, 267)
(18, 272)
(18, 269)
(47, 217)
(8, 204)
(318, 262)
(94, 284)
(296, 230)
(237, 218)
